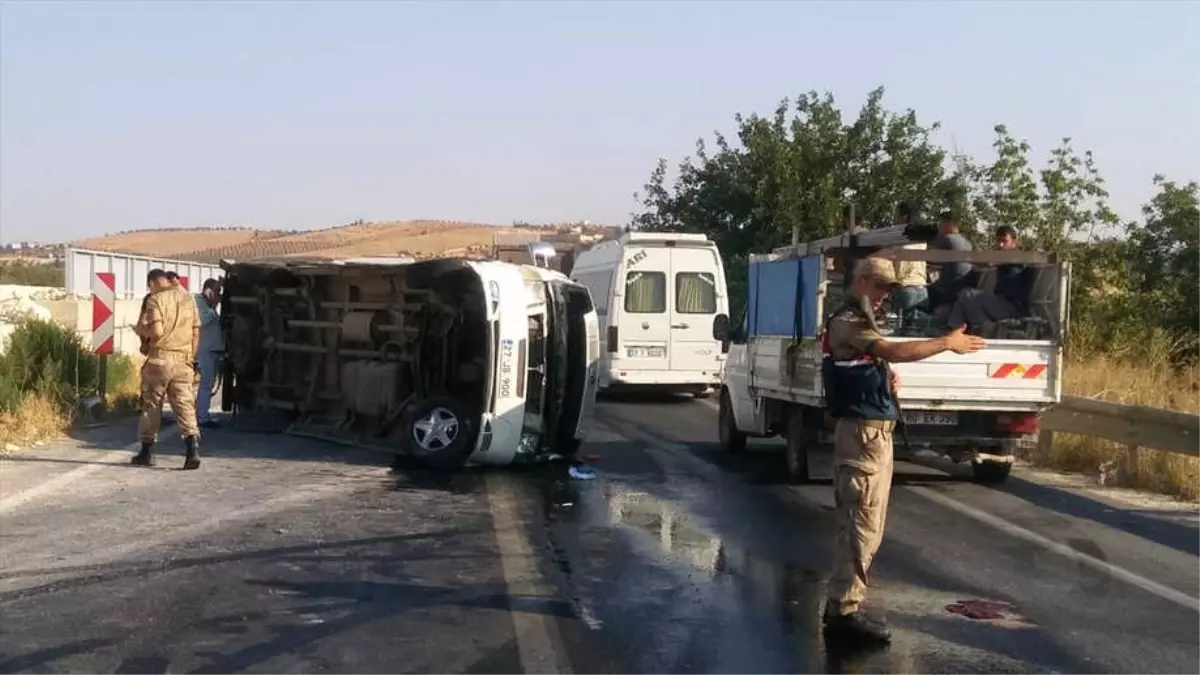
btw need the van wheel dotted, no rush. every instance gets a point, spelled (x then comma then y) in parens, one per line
(991, 473)
(796, 451)
(732, 440)
(437, 433)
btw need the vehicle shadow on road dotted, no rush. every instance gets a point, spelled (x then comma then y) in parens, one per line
(342, 606)
(314, 581)
(1179, 536)
(39, 660)
(123, 570)
(222, 442)
(911, 478)
(634, 397)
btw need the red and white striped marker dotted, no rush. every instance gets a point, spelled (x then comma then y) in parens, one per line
(104, 298)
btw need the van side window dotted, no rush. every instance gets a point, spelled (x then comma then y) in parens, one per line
(695, 293)
(646, 292)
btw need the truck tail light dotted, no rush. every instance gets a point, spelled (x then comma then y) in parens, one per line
(612, 339)
(1017, 423)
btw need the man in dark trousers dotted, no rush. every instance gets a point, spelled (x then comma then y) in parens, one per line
(859, 390)
(977, 309)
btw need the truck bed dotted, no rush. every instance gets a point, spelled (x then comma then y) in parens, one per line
(1008, 375)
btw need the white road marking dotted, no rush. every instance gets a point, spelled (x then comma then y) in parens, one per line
(538, 641)
(1165, 592)
(64, 479)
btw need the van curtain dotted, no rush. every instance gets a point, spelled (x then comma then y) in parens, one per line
(646, 292)
(694, 294)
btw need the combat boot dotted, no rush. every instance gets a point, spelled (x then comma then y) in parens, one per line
(192, 461)
(145, 457)
(855, 628)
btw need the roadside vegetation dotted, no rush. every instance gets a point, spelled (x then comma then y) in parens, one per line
(31, 273)
(46, 373)
(1136, 285)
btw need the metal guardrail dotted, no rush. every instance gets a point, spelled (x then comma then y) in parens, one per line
(1134, 426)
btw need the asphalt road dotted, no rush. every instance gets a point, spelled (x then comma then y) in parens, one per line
(290, 555)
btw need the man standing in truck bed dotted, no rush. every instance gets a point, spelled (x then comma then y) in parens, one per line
(859, 393)
(171, 325)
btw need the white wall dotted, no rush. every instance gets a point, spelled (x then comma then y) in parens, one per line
(72, 312)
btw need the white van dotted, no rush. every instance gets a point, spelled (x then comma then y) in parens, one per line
(656, 294)
(449, 362)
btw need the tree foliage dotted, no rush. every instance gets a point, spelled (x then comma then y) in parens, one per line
(801, 166)
(1165, 257)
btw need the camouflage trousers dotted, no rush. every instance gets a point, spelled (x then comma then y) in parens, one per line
(862, 483)
(167, 376)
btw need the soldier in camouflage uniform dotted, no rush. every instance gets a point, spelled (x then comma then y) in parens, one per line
(859, 393)
(171, 326)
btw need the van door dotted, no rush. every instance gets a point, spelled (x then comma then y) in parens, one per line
(645, 325)
(694, 303)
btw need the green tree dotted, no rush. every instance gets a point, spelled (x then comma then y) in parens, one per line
(799, 168)
(1164, 260)
(1052, 210)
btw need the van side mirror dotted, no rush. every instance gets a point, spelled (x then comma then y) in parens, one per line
(721, 331)
(720, 327)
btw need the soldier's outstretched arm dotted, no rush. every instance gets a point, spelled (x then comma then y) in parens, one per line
(956, 341)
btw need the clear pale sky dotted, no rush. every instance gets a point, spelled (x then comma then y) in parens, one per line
(117, 116)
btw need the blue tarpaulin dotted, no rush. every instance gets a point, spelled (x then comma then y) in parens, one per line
(772, 303)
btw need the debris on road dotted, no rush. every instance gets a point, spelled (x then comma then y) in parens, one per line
(979, 609)
(580, 472)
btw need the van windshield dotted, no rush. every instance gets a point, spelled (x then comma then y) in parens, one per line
(545, 361)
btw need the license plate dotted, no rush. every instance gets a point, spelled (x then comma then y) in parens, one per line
(930, 418)
(645, 352)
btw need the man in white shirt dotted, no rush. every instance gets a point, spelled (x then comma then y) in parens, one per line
(208, 354)
(912, 292)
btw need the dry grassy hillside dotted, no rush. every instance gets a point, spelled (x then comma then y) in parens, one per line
(419, 238)
(175, 242)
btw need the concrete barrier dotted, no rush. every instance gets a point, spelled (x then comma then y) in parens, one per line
(74, 312)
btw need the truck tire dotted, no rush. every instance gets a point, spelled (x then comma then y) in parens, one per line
(796, 451)
(437, 433)
(991, 473)
(732, 440)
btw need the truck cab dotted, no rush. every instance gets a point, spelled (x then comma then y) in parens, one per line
(976, 408)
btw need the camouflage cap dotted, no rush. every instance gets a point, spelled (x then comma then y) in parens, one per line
(877, 269)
